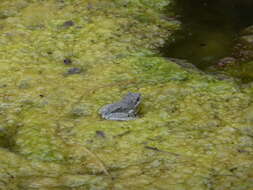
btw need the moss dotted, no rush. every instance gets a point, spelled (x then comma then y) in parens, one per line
(191, 133)
(241, 70)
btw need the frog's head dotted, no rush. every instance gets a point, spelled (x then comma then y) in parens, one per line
(134, 98)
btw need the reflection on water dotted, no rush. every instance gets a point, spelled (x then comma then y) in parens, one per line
(209, 29)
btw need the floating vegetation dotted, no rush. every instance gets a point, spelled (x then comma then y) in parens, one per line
(194, 131)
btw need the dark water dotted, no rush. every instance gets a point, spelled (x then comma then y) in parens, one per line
(209, 29)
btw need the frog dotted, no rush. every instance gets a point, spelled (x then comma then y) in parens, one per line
(123, 110)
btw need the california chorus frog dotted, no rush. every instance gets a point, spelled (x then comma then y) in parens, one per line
(124, 110)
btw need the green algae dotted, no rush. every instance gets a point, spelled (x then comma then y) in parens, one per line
(194, 131)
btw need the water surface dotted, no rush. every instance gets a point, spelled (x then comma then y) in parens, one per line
(209, 30)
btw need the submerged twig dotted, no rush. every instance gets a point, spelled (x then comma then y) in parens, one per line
(99, 161)
(85, 149)
(158, 150)
(122, 134)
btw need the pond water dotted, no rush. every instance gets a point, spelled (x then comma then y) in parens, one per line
(209, 30)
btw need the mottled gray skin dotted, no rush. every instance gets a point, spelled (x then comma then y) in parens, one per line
(124, 110)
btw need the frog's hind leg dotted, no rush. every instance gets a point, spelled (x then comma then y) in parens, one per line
(119, 117)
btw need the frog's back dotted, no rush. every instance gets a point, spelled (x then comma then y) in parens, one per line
(109, 108)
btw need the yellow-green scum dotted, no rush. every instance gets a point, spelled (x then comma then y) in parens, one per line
(194, 131)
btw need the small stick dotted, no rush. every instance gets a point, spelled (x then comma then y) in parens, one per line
(158, 150)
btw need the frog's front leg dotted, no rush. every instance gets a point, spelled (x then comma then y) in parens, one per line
(119, 116)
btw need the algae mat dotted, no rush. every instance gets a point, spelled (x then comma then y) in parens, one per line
(194, 131)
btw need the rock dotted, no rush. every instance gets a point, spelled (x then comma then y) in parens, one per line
(226, 61)
(247, 39)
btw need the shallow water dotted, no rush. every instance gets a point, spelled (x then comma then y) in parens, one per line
(209, 30)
